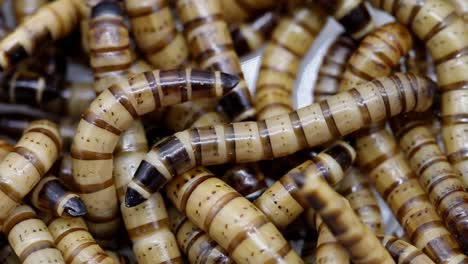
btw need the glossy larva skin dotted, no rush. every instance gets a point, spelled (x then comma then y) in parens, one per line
(328, 250)
(282, 135)
(461, 7)
(229, 219)
(111, 113)
(289, 42)
(404, 252)
(30, 159)
(51, 22)
(239, 10)
(156, 33)
(332, 67)
(211, 47)
(30, 238)
(194, 242)
(26, 8)
(446, 36)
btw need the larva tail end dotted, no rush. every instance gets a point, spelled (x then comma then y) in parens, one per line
(133, 198)
(107, 7)
(74, 207)
(228, 81)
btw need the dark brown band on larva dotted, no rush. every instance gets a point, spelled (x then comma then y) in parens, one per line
(319, 164)
(278, 86)
(89, 155)
(401, 91)
(379, 160)
(36, 246)
(458, 156)
(414, 12)
(265, 140)
(448, 20)
(461, 85)
(383, 92)
(78, 249)
(189, 26)
(284, 71)
(163, 43)
(218, 206)
(195, 139)
(230, 138)
(32, 158)
(174, 155)
(122, 98)
(136, 232)
(329, 119)
(254, 225)
(358, 72)
(17, 219)
(291, 187)
(341, 155)
(151, 81)
(452, 55)
(357, 19)
(366, 117)
(410, 203)
(68, 232)
(91, 188)
(282, 252)
(190, 189)
(387, 62)
(177, 260)
(209, 53)
(93, 119)
(49, 134)
(111, 68)
(10, 192)
(298, 129)
(102, 219)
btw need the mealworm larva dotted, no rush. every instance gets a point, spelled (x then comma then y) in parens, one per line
(353, 235)
(283, 203)
(111, 113)
(229, 219)
(418, 60)
(118, 258)
(355, 187)
(156, 34)
(445, 35)
(404, 252)
(51, 22)
(31, 158)
(51, 196)
(328, 250)
(194, 242)
(211, 46)
(461, 7)
(30, 238)
(7, 255)
(65, 171)
(378, 154)
(332, 67)
(240, 10)
(353, 15)
(109, 44)
(289, 42)
(281, 135)
(248, 37)
(441, 182)
(377, 55)
(246, 179)
(24, 9)
(5, 149)
(276, 168)
(75, 242)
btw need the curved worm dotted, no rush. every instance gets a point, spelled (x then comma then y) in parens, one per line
(229, 219)
(404, 252)
(461, 7)
(246, 179)
(30, 238)
(156, 34)
(211, 47)
(281, 135)
(111, 113)
(328, 250)
(24, 9)
(5, 149)
(289, 42)
(240, 10)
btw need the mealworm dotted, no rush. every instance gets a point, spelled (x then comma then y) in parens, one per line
(7, 255)
(441, 182)
(156, 34)
(111, 113)
(377, 55)
(22, 168)
(246, 179)
(461, 7)
(5, 149)
(289, 42)
(109, 45)
(378, 154)
(75, 242)
(51, 22)
(24, 9)
(276, 168)
(444, 33)
(248, 37)
(118, 258)
(194, 242)
(283, 203)
(353, 15)
(229, 219)
(328, 250)
(281, 135)
(30, 238)
(418, 61)
(211, 46)
(404, 252)
(333, 67)
(239, 10)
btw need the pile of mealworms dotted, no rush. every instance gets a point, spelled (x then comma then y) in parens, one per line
(167, 156)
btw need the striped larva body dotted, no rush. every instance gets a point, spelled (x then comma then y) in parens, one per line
(194, 242)
(77, 245)
(356, 188)
(156, 34)
(441, 182)
(404, 252)
(51, 196)
(418, 61)
(445, 35)
(277, 168)
(248, 37)
(388, 170)
(26, 8)
(22, 168)
(289, 42)
(51, 22)
(353, 15)
(333, 67)
(356, 238)
(211, 47)
(283, 203)
(229, 219)
(111, 113)
(109, 44)
(461, 7)
(239, 10)
(7, 255)
(377, 55)
(246, 179)
(328, 250)
(281, 135)
(30, 238)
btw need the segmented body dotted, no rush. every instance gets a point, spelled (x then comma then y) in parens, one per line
(240, 10)
(404, 252)
(328, 250)
(23, 9)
